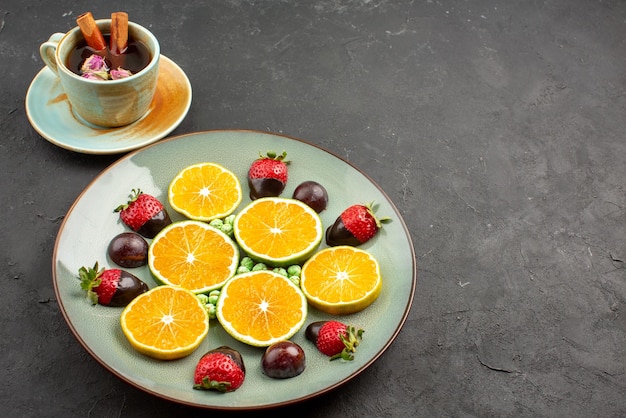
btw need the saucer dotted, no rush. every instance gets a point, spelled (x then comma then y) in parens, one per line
(50, 114)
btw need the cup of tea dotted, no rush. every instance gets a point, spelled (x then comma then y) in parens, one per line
(107, 100)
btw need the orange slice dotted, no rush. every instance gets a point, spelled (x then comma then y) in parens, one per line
(261, 307)
(193, 255)
(341, 280)
(165, 323)
(278, 231)
(205, 191)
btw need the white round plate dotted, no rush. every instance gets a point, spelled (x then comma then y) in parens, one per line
(91, 223)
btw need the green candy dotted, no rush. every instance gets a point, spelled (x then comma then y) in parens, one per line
(216, 223)
(247, 262)
(243, 269)
(259, 266)
(281, 271)
(294, 270)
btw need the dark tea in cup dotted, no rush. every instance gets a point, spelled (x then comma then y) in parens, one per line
(134, 59)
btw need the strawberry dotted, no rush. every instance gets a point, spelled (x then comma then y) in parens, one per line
(110, 287)
(268, 175)
(220, 369)
(355, 226)
(144, 214)
(334, 339)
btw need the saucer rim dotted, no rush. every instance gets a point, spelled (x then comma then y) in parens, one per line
(54, 139)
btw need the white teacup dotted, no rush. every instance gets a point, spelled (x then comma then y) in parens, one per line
(104, 103)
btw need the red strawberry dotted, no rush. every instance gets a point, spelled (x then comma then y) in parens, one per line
(267, 175)
(355, 226)
(220, 369)
(144, 214)
(110, 287)
(334, 339)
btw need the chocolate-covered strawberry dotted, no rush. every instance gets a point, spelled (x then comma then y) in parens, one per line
(221, 369)
(355, 226)
(110, 287)
(334, 339)
(267, 175)
(144, 214)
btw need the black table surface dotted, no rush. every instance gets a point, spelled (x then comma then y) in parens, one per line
(497, 128)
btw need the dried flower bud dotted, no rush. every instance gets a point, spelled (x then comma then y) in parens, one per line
(120, 73)
(93, 64)
(96, 68)
(96, 75)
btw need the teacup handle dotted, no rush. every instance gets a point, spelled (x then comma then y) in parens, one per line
(48, 49)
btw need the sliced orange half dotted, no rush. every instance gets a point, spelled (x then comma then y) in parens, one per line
(278, 231)
(261, 307)
(166, 322)
(341, 280)
(205, 191)
(193, 255)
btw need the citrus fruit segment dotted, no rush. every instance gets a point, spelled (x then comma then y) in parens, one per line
(193, 255)
(166, 322)
(261, 307)
(278, 231)
(341, 280)
(205, 191)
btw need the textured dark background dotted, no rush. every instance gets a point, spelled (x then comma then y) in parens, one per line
(496, 127)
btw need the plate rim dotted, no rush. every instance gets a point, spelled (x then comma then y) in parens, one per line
(365, 366)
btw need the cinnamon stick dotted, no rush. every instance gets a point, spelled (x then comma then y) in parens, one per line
(91, 32)
(119, 33)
